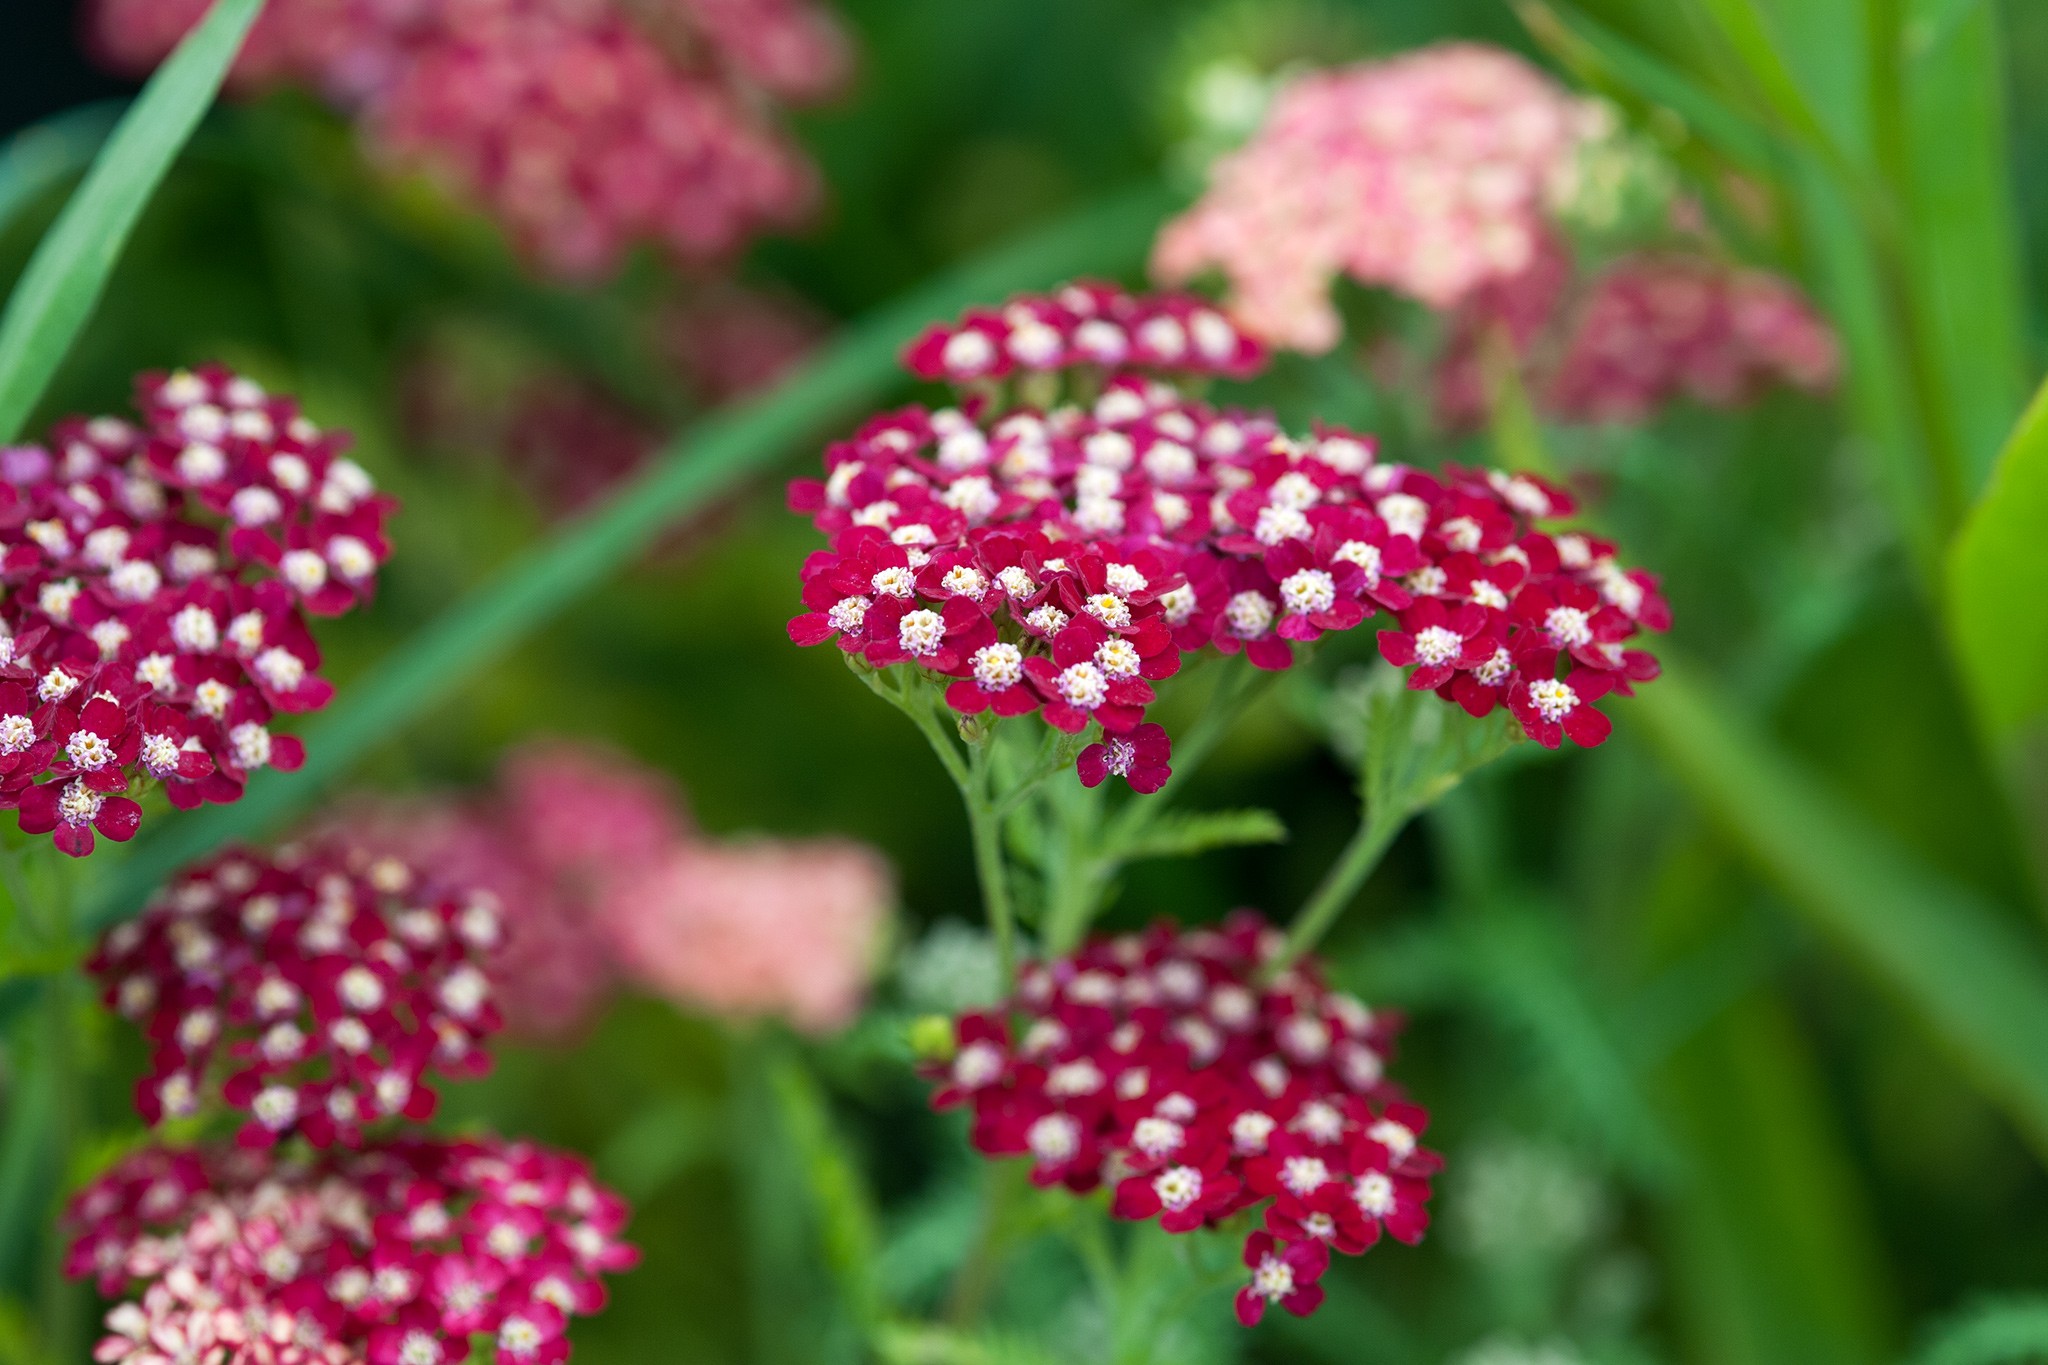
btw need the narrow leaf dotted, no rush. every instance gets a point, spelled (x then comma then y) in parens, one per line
(2001, 1332)
(705, 462)
(1182, 834)
(69, 270)
(840, 1202)
(1998, 585)
(1951, 956)
(1603, 57)
(1963, 252)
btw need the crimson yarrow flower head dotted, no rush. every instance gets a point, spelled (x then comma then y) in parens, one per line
(1176, 1066)
(396, 1254)
(313, 989)
(159, 578)
(1063, 559)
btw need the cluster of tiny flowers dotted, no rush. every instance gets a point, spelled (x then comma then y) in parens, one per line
(398, 1254)
(583, 125)
(1167, 1066)
(752, 928)
(1659, 325)
(157, 582)
(1454, 176)
(1426, 174)
(561, 825)
(312, 990)
(1062, 560)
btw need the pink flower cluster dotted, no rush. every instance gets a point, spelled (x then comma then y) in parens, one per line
(313, 990)
(1167, 1065)
(603, 879)
(1439, 175)
(394, 1255)
(1425, 174)
(1061, 561)
(1659, 325)
(582, 124)
(158, 581)
(748, 928)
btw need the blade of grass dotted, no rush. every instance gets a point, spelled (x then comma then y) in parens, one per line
(64, 278)
(1998, 1332)
(1998, 586)
(1953, 958)
(1600, 55)
(702, 463)
(1962, 256)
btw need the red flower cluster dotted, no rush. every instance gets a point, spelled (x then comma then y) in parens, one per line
(1062, 559)
(396, 1255)
(158, 579)
(1166, 1065)
(312, 990)
(582, 124)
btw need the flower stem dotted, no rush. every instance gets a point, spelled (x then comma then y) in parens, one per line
(1339, 886)
(985, 821)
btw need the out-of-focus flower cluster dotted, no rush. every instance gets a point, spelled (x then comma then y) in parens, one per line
(1061, 559)
(603, 880)
(583, 125)
(394, 1255)
(1167, 1065)
(1454, 176)
(1425, 174)
(158, 576)
(312, 990)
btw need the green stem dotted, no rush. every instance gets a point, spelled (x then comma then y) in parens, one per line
(974, 777)
(985, 821)
(1339, 885)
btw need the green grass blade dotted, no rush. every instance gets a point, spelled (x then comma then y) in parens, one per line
(44, 155)
(1963, 255)
(2001, 1332)
(701, 464)
(1602, 56)
(1998, 586)
(69, 270)
(1955, 959)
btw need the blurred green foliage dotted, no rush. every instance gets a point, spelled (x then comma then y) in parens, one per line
(1747, 1009)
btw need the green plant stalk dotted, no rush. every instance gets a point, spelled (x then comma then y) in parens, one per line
(973, 777)
(1340, 885)
(1088, 861)
(704, 463)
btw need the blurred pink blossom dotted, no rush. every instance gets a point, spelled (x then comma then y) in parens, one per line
(1424, 174)
(756, 928)
(1648, 329)
(602, 880)
(583, 125)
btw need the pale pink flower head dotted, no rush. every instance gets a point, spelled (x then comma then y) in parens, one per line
(758, 927)
(1425, 174)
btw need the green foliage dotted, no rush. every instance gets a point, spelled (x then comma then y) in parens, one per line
(62, 283)
(1182, 834)
(1998, 586)
(1999, 1332)
(1950, 957)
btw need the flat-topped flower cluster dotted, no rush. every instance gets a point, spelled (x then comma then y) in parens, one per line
(1168, 1065)
(1063, 557)
(394, 1255)
(158, 577)
(313, 990)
